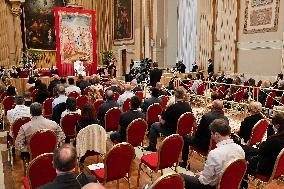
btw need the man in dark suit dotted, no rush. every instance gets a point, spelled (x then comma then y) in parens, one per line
(126, 118)
(154, 99)
(65, 160)
(53, 84)
(108, 104)
(202, 136)
(114, 86)
(168, 120)
(210, 68)
(155, 74)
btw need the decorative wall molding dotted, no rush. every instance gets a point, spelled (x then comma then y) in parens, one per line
(255, 45)
(282, 61)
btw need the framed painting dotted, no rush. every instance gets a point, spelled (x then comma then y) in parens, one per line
(122, 21)
(75, 39)
(261, 16)
(39, 23)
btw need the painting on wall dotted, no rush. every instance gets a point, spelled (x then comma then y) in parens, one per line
(261, 16)
(76, 39)
(122, 20)
(39, 23)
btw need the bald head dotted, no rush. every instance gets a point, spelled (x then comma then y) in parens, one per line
(93, 186)
(65, 158)
(61, 90)
(127, 87)
(217, 105)
(109, 95)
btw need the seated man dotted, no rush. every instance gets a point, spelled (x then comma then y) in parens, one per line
(72, 87)
(215, 164)
(202, 136)
(114, 86)
(126, 118)
(134, 85)
(38, 122)
(154, 99)
(108, 104)
(168, 120)
(61, 98)
(64, 161)
(127, 94)
(19, 111)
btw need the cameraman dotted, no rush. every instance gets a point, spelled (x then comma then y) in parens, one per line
(155, 74)
(181, 67)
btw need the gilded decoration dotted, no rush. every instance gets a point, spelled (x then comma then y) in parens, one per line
(261, 16)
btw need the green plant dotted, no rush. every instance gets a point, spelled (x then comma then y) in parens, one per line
(106, 57)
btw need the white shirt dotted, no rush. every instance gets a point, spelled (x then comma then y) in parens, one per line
(72, 88)
(18, 112)
(217, 160)
(66, 112)
(58, 100)
(124, 96)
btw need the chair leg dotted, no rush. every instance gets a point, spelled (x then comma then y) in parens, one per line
(138, 177)
(151, 176)
(162, 172)
(129, 183)
(117, 184)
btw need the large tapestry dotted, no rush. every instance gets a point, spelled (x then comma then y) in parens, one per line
(39, 23)
(261, 16)
(123, 20)
(76, 39)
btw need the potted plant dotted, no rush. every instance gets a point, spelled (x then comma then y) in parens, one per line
(106, 57)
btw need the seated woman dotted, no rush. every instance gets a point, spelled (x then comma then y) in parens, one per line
(42, 93)
(11, 91)
(249, 122)
(71, 107)
(88, 117)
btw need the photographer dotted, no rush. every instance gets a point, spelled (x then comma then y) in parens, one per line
(180, 67)
(155, 74)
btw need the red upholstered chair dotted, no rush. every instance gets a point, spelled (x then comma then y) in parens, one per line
(136, 132)
(112, 119)
(173, 180)
(97, 104)
(185, 124)
(73, 94)
(101, 91)
(87, 90)
(8, 103)
(81, 101)
(200, 89)
(165, 100)
(167, 156)
(68, 124)
(258, 132)
(233, 174)
(177, 83)
(116, 95)
(221, 90)
(33, 94)
(259, 83)
(239, 95)
(270, 99)
(17, 125)
(31, 89)
(282, 100)
(139, 94)
(126, 105)
(153, 112)
(277, 173)
(47, 108)
(40, 171)
(117, 164)
(43, 141)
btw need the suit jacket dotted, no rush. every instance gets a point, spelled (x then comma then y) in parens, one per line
(171, 116)
(69, 181)
(203, 134)
(155, 76)
(149, 101)
(210, 68)
(247, 125)
(103, 109)
(268, 152)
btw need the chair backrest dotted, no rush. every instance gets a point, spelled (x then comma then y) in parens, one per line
(136, 132)
(101, 91)
(47, 107)
(73, 94)
(282, 100)
(258, 132)
(165, 100)
(87, 90)
(270, 99)
(118, 161)
(174, 180)
(43, 141)
(239, 95)
(221, 89)
(169, 151)
(68, 124)
(97, 104)
(112, 119)
(126, 105)
(17, 125)
(139, 94)
(200, 89)
(8, 103)
(278, 169)
(259, 83)
(116, 96)
(153, 112)
(233, 174)
(31, 89)
(41, 171)
(185, 124)
(81, 101)
(33, 94)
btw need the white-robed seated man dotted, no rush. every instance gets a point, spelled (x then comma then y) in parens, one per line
(79, 68)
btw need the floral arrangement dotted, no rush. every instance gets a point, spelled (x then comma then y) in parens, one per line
(106, 57)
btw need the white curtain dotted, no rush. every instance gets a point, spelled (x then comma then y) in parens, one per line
(187, 35)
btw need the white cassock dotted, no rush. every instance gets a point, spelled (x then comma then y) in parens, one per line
(79, 68)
